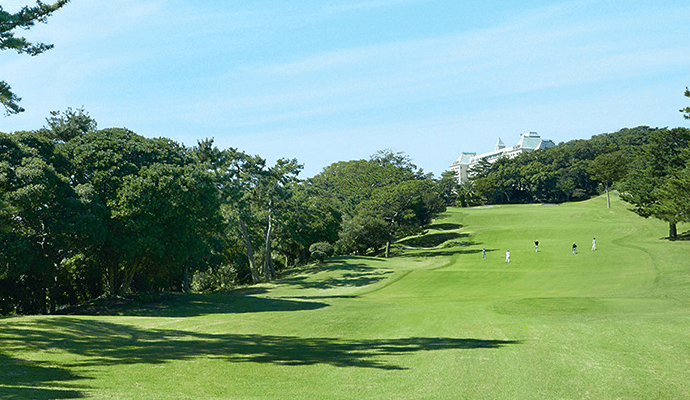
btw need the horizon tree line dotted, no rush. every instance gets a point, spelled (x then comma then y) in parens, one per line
(88, 212)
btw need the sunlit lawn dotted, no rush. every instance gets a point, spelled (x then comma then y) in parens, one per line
(433, 323)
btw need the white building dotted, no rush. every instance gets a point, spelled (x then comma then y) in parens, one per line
(529, 141)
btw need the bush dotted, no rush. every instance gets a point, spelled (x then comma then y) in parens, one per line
(320, 251)
(214, 279)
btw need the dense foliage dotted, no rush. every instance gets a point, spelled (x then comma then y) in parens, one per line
(87, 212)
(650, 167)
(658, 184)
(575, 170)
(381, 199)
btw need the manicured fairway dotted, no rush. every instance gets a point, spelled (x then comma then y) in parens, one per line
(437, 323)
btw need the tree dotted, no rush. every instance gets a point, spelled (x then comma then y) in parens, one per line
(236, 175)
(649, 183)
(486, 189)
(467, 196)
(25, 18)
(607, 169)
(306, 218)
(166, 215)
(274, 190)
(255, 197)
(686, 110)
(448, 188)
(108, 165)
(675, 196)
(64, 126)
(380, 199)
(321, 250)
(45, 223)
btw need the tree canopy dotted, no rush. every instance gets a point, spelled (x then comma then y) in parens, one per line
(656, 181)
(24, 19)
(88, 212)
(686, 110)
(380, 199)
(569, 171)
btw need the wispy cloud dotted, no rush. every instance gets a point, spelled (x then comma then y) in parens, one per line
(296, 70)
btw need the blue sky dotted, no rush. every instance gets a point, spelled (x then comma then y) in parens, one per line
(325, 81)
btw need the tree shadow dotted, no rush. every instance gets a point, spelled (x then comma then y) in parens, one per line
(193, 304)
(685, 236)
(101, 343)
(22, 379)
(450, 248)
(440, 252)
(356, 275)
(445, 226)
(22, 393)
(242, 300)
(432, 240)
(340, 265)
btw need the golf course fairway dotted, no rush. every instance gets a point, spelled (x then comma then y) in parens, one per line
(435, 321)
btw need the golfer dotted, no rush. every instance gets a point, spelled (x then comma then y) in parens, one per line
(484, 252)
(507, 256)
(574, 247)
(594, 244)
(536, 246)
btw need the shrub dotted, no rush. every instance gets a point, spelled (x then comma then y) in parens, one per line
(320, 251)
(214, 279)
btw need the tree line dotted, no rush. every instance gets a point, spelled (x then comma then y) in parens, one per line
(649, 167)
(87, 212)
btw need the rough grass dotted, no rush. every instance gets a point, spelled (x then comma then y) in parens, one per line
(432, 323)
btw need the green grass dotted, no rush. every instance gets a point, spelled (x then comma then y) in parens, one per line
(436, 322)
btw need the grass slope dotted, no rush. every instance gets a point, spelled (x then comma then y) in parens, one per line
(435, 322)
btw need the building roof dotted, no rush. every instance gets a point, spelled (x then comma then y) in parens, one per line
(465, 158)
(528, 141)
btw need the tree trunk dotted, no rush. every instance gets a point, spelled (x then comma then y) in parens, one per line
(672, 232)
(302, 257)
(52, 293)
(268, 267)
(388, 249)
(112, 279)
(128, 276)
(185, 281)
(608, 200)
(250, 253)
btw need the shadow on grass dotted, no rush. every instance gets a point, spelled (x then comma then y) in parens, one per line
(450, 249)
(685, 236)
(355, 275)
(23, 393)
(445, 226)
(432, 239)
(22, 379)
(192, 304)
(440, 252)
(243, 300)
(101, 343)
